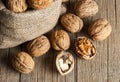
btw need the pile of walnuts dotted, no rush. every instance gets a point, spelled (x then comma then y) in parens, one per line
(18, 6)
(99, 30)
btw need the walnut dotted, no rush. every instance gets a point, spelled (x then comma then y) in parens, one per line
(39, 4)
(60, 40)
(72, 22)
(23, 62)
(100, 29)
(86, 8)
(85, 48)
(65, 1)
(16, 6)
(38, 46)
(65, 63)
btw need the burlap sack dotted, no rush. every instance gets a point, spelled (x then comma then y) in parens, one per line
(16, 28)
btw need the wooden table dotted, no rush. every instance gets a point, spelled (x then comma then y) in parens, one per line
(105, 67)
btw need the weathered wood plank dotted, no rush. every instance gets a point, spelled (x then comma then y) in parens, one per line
(7, 73)
(113, 42)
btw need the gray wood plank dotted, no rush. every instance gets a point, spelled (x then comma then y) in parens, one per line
(113, 42)
(12, 74)
(7, 73)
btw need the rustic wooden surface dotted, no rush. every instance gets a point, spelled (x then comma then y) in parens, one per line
(105, 67)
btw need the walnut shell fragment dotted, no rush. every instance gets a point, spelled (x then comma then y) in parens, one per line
(60, 40)
(65, 63)
(100, 29)
(86, 8)
(38, 46)
(85, 48)
(39, 4)
(17, 6)
(23, 62)
(72, 22)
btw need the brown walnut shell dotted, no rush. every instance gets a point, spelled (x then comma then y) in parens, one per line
(85, 48)
(72, 22)
(23, 62)
(65, 1)
(65, 63)
(39, 4)
(38, 46)
(17, 6)
(60, 40)
(86, 8)
(100, 29)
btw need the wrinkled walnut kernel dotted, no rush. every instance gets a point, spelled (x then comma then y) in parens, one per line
(65, 62)
(85, 48)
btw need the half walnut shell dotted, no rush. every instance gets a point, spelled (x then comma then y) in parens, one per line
(85, 48)
(65, 62)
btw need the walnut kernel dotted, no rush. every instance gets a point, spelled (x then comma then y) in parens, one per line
(65, 62)
(85, 48)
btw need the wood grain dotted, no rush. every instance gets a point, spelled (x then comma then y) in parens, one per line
(105, 67)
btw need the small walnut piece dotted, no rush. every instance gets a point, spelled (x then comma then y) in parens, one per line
(85, 48)
(65, 1)
(100, 29)
(38, 46)
(86, 8)
(65, 62)
(72, 22)
(16, 6)
(39, 4)
(60, 40)
(23, 62)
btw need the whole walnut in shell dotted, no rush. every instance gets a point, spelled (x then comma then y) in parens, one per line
(72, 22)
(60, 40)
(65, 1)
(85, 48)
(86, 8)
(39, 4)
(16, 5)
(23, 62)
(100, 29)
(38, 46)
(65, 62)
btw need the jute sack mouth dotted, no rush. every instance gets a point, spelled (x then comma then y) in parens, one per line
(17, 28)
